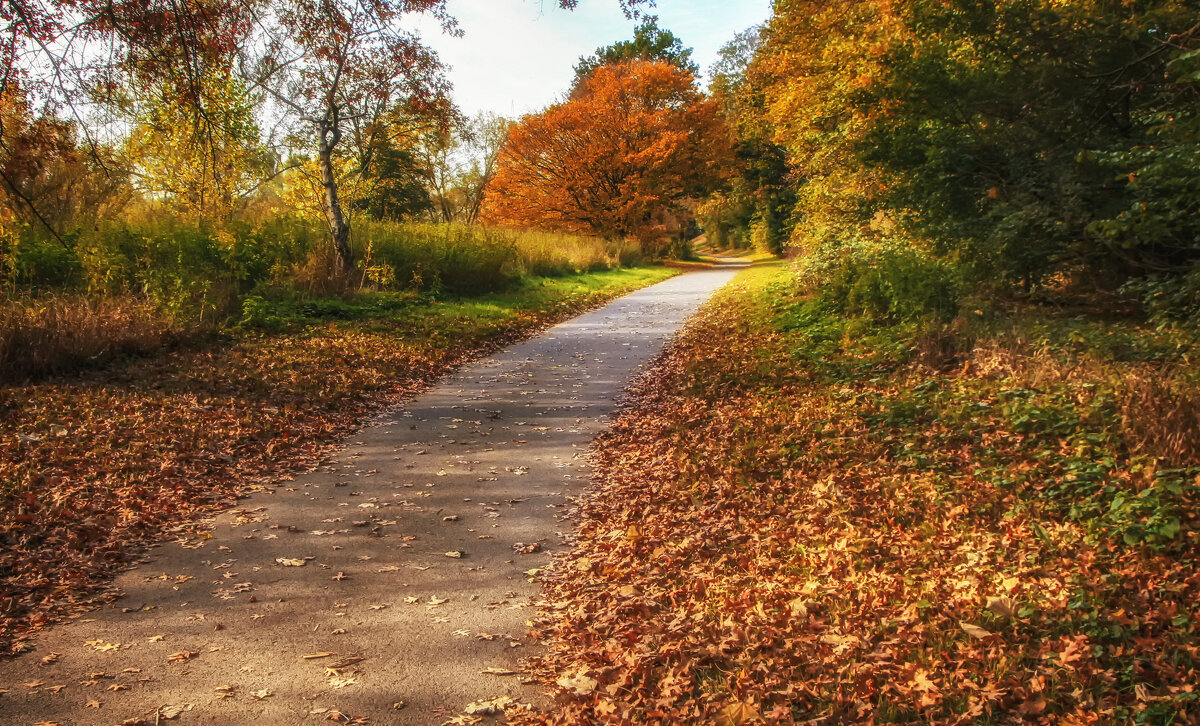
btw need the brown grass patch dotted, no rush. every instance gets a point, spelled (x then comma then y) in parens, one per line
(43, 336)
(1160, 415)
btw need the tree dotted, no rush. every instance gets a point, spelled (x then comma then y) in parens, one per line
(202, 164)
(1022, 139)
(60, 56)
(460, 163)
(757, 204)
(649, 43)
(336, 62)
(620, 159)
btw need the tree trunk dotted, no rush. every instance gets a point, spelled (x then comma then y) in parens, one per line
(339, 231)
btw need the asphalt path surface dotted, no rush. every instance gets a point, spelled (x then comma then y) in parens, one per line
(391, 583)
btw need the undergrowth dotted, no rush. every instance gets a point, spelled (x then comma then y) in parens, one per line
(811, 517)
(134, 287)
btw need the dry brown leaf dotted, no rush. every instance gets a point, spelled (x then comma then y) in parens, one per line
(974, 630)
(737, 714)
(580, 684)
(171, 713)
(1003, 606)
(489, 707)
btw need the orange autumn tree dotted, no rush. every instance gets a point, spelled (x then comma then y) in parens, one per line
(622, 158)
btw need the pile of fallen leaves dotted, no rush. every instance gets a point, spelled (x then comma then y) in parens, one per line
(788, 537)
(91, 466)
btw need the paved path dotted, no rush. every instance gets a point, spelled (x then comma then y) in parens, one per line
(360, 558)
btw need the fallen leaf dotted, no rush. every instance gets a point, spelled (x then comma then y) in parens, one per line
(737, 714)
(974, 630)
(102, 646)
(489, 707)
(1003, 606)
(580, 684)
(172, 712)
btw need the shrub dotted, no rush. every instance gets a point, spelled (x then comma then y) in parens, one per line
(43, 264)
(883, 281)
(1170, 299)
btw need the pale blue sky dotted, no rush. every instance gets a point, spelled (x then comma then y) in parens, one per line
(518, 56)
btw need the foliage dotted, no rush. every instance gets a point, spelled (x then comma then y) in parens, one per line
(754, 208)
(335, 63)
(887, 282)
(48, 182)
(1023, 139)
(192, 276)
(203, 169)
(799, 521)
(649, 43)
(617, 160)
(50, 335)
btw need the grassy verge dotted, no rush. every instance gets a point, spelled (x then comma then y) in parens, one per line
(91, 465)
(809, 519)
(133, 287)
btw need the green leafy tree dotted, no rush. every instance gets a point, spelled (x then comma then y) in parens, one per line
(755, 207)
(649, 43)
(201, 161)
(993, 134)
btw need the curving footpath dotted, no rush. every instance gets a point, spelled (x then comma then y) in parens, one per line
(391, 583)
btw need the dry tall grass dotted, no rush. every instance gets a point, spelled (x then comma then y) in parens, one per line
(42, 336)
(1159, 405)
(1160, 415)
(553, 253)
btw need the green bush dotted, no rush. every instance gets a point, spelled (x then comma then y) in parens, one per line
(458, 259)
(1170, 299)
(199, 272)
(882, 281)
(47, 264)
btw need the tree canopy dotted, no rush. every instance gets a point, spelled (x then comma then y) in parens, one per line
(618, 159)
(649, 43)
